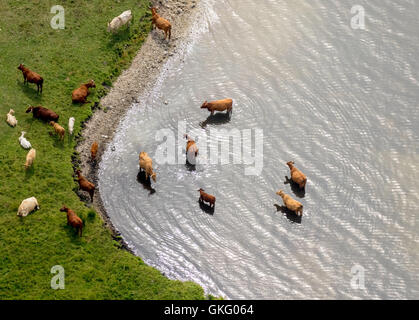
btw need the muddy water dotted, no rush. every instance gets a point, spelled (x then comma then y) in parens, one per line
(342, 103)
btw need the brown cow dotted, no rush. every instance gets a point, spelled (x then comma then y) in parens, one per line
(93, 150)
(80, 94)
(60, 131)
(297, 176)
(291, 204)
(32, 77)
(42, 113)
(206, 197)
(218, 105)
(161, 23)
(146, 164)
(191, 149)
(86, 185)
(73, 219)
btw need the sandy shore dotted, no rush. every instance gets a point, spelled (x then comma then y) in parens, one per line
(138, 79)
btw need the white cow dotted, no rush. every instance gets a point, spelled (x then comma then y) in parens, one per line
(71, 125)
(119, 21)
(27, 206)
(24, 142)
(11, 119)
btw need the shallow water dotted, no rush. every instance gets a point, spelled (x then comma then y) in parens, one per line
(341, 103)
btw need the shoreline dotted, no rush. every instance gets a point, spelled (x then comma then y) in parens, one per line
(133, 83)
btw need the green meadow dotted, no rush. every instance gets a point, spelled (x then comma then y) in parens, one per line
(95, 265)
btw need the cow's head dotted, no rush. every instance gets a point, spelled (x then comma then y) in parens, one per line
(204, 105)
(280, 193)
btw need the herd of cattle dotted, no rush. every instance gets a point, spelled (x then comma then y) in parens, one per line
(80, 94)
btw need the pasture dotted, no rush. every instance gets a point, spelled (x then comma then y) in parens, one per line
(95, 266)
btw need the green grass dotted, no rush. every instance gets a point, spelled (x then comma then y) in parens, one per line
(95, 268)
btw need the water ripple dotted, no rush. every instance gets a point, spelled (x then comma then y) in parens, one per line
(340, 103)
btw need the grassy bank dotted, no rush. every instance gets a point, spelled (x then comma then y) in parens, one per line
(95, 267)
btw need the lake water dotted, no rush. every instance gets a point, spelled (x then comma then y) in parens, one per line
(342, 103)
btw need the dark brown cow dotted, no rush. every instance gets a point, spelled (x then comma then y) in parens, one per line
(42, 113)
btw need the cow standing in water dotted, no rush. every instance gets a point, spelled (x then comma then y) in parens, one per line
(207, 198)
(297, 176)
(191, 150)
(218, 105)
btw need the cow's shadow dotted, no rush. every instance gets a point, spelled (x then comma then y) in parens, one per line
(70, 138)
(158, 36)
(81, 104)
(145, 182)
(92, 162)
(57, 142)
(73, 234)
(290, 215)
(29, 172)
(122, 34)
(31, 91)
(295, 188)
(206, 208)
(190, 166)
(216, 119)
